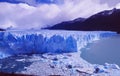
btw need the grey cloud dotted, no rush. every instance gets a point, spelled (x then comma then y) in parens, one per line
(23, 16)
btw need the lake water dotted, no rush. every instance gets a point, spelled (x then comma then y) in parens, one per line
(102, 51)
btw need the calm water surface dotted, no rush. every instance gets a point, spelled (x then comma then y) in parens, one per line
(102, 51)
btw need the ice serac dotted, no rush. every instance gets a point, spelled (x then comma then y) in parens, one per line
(37, 42)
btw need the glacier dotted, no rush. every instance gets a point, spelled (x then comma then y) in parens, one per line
(46, 41)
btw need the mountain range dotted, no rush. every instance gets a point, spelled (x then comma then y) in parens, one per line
(108, 20)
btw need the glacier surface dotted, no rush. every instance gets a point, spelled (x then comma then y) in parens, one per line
(46, 41)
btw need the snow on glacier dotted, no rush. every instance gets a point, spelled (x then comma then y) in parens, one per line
(46, 41)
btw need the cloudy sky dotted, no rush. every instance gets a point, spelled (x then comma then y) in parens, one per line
(26, 14)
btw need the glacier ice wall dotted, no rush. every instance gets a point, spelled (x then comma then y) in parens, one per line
(37, 42)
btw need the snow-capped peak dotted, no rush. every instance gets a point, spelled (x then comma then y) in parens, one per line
(108, 12)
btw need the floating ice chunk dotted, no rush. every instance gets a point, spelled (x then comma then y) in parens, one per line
(111, 66)
(99, 69)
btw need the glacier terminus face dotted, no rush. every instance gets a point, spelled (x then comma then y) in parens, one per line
(47, 41)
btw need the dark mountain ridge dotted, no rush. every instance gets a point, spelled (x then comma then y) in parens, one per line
(2, 29)
(108, 20)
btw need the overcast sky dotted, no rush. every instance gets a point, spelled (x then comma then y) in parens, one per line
(110, 2)
(43, 13)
